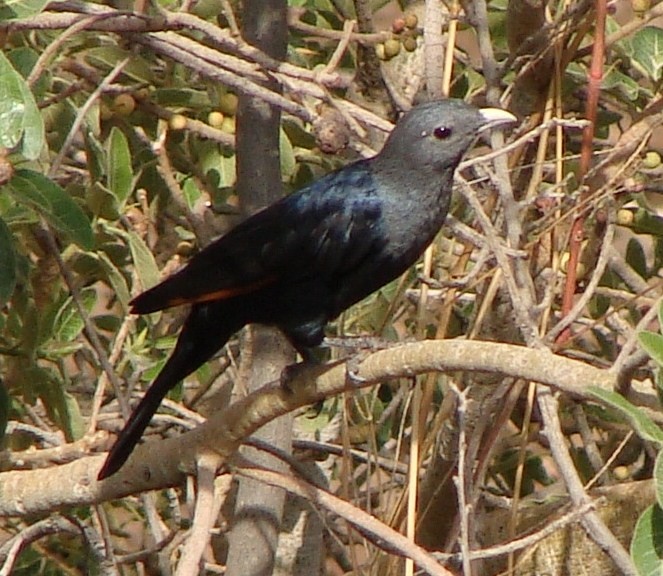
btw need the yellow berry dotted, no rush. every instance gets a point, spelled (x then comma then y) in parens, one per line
(391, 48)
(410, 43)
(177, 122)
(380, 51)
(184, 248)
(411, 21)
(124, 104)
(228, 125)
(652, 160)
(215, 119)
(228, 103)
(625, 217)
(621, 473)
(105, 113)
(640, 6)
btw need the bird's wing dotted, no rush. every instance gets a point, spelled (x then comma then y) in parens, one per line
(323, 230)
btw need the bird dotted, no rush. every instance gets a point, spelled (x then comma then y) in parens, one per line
(300, 262)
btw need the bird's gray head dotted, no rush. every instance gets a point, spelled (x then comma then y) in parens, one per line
(434, 136)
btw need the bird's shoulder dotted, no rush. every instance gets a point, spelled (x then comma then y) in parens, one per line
(319, 229)
(345, 197)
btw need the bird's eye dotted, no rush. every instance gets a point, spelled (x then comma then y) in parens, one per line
(442, 132)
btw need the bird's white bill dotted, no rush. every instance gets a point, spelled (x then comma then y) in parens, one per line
(496, 117)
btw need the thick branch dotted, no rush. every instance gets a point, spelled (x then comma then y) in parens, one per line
(74, 484)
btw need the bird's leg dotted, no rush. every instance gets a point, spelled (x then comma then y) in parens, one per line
(305, 338)
(352, 377)
(292, 371)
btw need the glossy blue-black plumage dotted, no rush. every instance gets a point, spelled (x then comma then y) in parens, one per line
(300, 262)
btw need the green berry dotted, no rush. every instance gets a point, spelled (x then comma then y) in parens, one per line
(652, 160)
(410, 43)
(391, 48)
(215, 119)
(625, 217)
(177, 122)
(124, 104)
(228, 104)
(411, 21)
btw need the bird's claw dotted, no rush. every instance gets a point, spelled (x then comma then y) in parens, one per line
(290, 374)
(352, 377)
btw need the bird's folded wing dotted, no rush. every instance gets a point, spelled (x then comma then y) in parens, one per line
(309, 234)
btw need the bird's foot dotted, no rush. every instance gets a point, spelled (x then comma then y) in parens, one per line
(291, 373)
(352, 377)
(300, 374)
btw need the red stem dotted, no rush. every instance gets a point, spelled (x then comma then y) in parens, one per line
(577, 229)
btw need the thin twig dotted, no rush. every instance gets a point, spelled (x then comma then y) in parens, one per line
(589, 292)
(203, 516)
(380, 534)
(464, 508)
(82, 112)
(89, 329)
(592, 522)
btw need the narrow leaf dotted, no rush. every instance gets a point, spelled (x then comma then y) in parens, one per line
(652, 343)
(12, 106)
(115, 279)
(68, 322)
(658, 478)
(21, 9)
(647, 542)
(7, 264)
(120, 173)
(5, 404)
(20, 120)
(645, 427)
(54, 204)
(146, 266)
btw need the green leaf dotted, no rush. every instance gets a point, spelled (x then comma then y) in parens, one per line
(102, 202)
(7, 264)
(620, 82)
(5, 403)
(20, 120)
(54, 204)
(212, 160)
(115, 279)
(645, 427)
(61, 406)
(287, 153)
(120, 173)
(146, 266)
(652, 343)
(107, 57)
(15, 9)
(191, 192)
(635, 256)
(658, 477)
(181, 98)
(68, 323)
(95, 156)
(647, 542)
(646, 51)
(72, 417)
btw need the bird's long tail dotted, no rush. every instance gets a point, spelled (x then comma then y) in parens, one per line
(206, 331)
